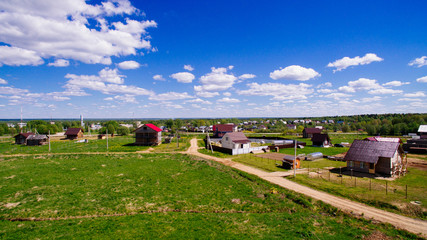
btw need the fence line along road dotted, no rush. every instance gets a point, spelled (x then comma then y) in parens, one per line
(412, 225)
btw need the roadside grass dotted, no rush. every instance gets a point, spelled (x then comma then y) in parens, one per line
(373, 191)
(115, 144)
(220, 202)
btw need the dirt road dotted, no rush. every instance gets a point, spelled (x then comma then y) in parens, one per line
(409, 224)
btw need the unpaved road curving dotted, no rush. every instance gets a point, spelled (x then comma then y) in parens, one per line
(399, 221)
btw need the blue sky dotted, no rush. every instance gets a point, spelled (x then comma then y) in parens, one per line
(176, 59)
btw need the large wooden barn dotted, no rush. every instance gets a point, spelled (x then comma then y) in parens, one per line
(148, 135)
(74, 133)
(309, 132)
(36, 140)
(386, 158)
(21, 138)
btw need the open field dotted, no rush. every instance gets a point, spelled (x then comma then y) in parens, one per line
(159, 195)
(115, 144)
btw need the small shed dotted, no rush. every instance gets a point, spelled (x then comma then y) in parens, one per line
(309, 132)
(37, 140)
(74, 133)
(321, 140)
(235, 140)
(422, 131)
(102, 136)
(148, 135)
(288, 162)
(376, 157)
(21, 138)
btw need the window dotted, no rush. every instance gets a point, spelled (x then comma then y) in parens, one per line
(350, 163)
(226, 138)
(362, 165)
(371, 165)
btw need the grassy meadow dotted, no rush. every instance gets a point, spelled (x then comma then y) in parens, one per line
(159, 196)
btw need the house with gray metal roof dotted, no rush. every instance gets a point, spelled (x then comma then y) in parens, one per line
(385, 158)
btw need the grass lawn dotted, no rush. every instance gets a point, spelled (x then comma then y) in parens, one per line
(373, 191)
(165, 196)
(115, 144)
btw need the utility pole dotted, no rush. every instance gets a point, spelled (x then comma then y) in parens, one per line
(295, 159)
(48, 138)
(107, 138)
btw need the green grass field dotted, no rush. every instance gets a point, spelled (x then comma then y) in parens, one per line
(160, 196)
(115, 144)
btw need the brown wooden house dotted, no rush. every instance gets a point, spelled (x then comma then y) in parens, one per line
(148, 135)
(220, 130)
(321, 140)
(309, 132)
(376, 157)
(74, 133)
(36, 140)
(22, 138)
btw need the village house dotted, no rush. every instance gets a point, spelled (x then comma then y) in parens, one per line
(21, 138)
(376, 157)
(220, 130)
(37, 140)
(321, 140)
(74, 133)
(148, 135)
(235, 140)
(422, 131)
(308, 132)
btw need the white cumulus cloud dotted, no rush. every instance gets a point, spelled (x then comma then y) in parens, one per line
(228, 100)
(246, 76)
(346, 62)
(188, 67)
(422, 79)
(183, 77)
(415, 94)
(60, 63)
(206, 94)
(2, 81)
(395, 83)
(129, 65)
(294, 72)
(15, 56)
(170, 96)
(217, 80)
(418, 62)
(158, 77)
(278, 91)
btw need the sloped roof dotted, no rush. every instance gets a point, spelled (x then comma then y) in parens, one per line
(318, 137)
(422, 129)
(237, 137)
(224, 127)
(370, 151)
(154, 127)
(312, 130)
(37, 137)
(26, 135)
(73, 131)
(383, 139)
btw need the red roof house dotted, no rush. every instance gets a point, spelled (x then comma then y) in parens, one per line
(221, 129)
(309, 132)
(148, 135)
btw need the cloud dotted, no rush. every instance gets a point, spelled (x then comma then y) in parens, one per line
(409, 99)
(422, 79)
(129, 65)
(325, 90)
(325, 85)
(183, 77)
(188, 67)
(70, 29)
(2, 81)
(395, 83)
(294, 72)
(206, 94)
(158, 77)
(246, 76)
(338, 96)
(227, 94)
(360, 84)
(12, 91)
(229, 100)
(371, 99)
(346, 62)
(170, 96)
(198, 100)
(385, 91)
(418, 62)
(14, 56)
(415, 94)
(60, 63)
(278, 91)
(108, 81)
(217, 80)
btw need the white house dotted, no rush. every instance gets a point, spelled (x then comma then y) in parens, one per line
(235, 140)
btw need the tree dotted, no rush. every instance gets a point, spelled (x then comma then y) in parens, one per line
(122, 131)
(345, 128)
(111, 129)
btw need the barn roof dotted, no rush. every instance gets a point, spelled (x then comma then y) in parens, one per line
(224, 127)
(26, 135)
(382, 139)
(73, 131)
(318, 137)
(37, 137)
(237, 137)
(312, 130)
(154, 127)
(370, 151)
(422, 129)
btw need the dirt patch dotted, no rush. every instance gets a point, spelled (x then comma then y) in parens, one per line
(377, 236)
(11, 205)
(417, 163)
(274, 156)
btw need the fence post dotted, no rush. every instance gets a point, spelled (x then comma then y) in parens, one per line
(355, 181)
(370, 184)
(342, 176)
(329, 175)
